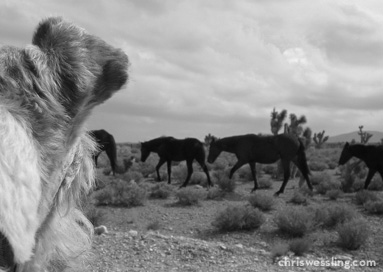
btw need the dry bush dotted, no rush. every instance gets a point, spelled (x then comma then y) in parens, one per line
(300, 245)
(238, 217)
(317, 166)
(319, 178)
(294, 221)
(153, 225)
(221, 178)
(269, 169)
(333, 194)
(329, 216)
(365, 196)
(215, 193)
(94, 215)
(261, 201)
(353, 234)
(265, 183)
(121, 193)
(161, 191)
(190, 196)
(136, 176)
(374, 207)
(199, 178)
(327, 185)
(299, 198)
(180, 172)
(279, 249)
(376, 184)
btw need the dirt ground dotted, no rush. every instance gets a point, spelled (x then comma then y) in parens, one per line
(161, 236)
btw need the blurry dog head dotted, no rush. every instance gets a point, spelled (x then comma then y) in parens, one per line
(47, 90)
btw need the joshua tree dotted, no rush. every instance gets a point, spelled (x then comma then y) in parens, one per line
(277, 120)
(295, 126)
(209, 138)
(364, 136)
(320, 139)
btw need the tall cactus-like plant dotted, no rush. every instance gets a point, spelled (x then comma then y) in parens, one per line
(320, 139)
(209, 138)
(364, 136)
(296, 123)
(277, 119)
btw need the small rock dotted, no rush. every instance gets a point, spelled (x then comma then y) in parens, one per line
(100, 230)
(133, 233)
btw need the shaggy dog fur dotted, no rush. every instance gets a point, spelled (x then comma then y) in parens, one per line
(47, 90)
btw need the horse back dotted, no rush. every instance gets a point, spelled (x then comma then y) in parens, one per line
(181, 149)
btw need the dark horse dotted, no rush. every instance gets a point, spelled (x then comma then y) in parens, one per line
(370, 154)
(253, 149)
(170, 149)
(105, 142)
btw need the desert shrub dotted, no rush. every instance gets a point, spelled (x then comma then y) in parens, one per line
(298, 198)
(329, 216)
(365, 196)
(332, 165)
(353, 234)
(161, 191)
(262, 201)
(189, 196)
(153, 225)
(94, 215)
(122, 193)
(357, 185)
(317, 166)
(269, 169)
(265, 183)
(133, 175)
(279, 249)
(180, 172)
(300, 245)
(221, 178)
(327, 185)
(374, 207)
(146, 169)
(294, 221)
(198, 178)
(215, 193)
(333, 194)
(245, 173)
(318, 178)
(376, 184)
(219, 164)
(238, 217)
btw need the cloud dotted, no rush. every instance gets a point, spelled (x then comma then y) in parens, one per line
(221, 66)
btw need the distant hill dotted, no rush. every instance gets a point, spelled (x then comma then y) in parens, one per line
(347, 137)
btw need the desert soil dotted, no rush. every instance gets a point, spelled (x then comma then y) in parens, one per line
(185, 240)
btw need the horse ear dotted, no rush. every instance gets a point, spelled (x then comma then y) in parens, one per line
(347, 144)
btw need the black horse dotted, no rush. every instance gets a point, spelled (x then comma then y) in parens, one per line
(170, 149)
(105, 142)
(253, 149)
(370, 154)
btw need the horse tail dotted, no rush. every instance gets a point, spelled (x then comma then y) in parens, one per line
(301, 158)
(113, 153)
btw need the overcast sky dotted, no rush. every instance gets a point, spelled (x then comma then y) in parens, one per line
(221, 66)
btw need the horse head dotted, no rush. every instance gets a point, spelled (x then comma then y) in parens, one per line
(145, 151)
(47, 90)
(346, 154)
(214, 150)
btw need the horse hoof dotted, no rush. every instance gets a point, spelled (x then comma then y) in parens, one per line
(277, 193)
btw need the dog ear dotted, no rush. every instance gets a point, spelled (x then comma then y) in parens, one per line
(88, 70)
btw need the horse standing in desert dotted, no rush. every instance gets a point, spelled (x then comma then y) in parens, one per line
(170, 149)
(371, 155)
(254, 149)
(105, 142)
(47, 91)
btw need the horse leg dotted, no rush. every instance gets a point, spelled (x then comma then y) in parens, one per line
(169, 164)
(190, 171)
(109, 152)
(204, 168)
(304, 174)
(236, 167)
(254, 174)
(286, 176)
(371, 173)
(160, 163)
